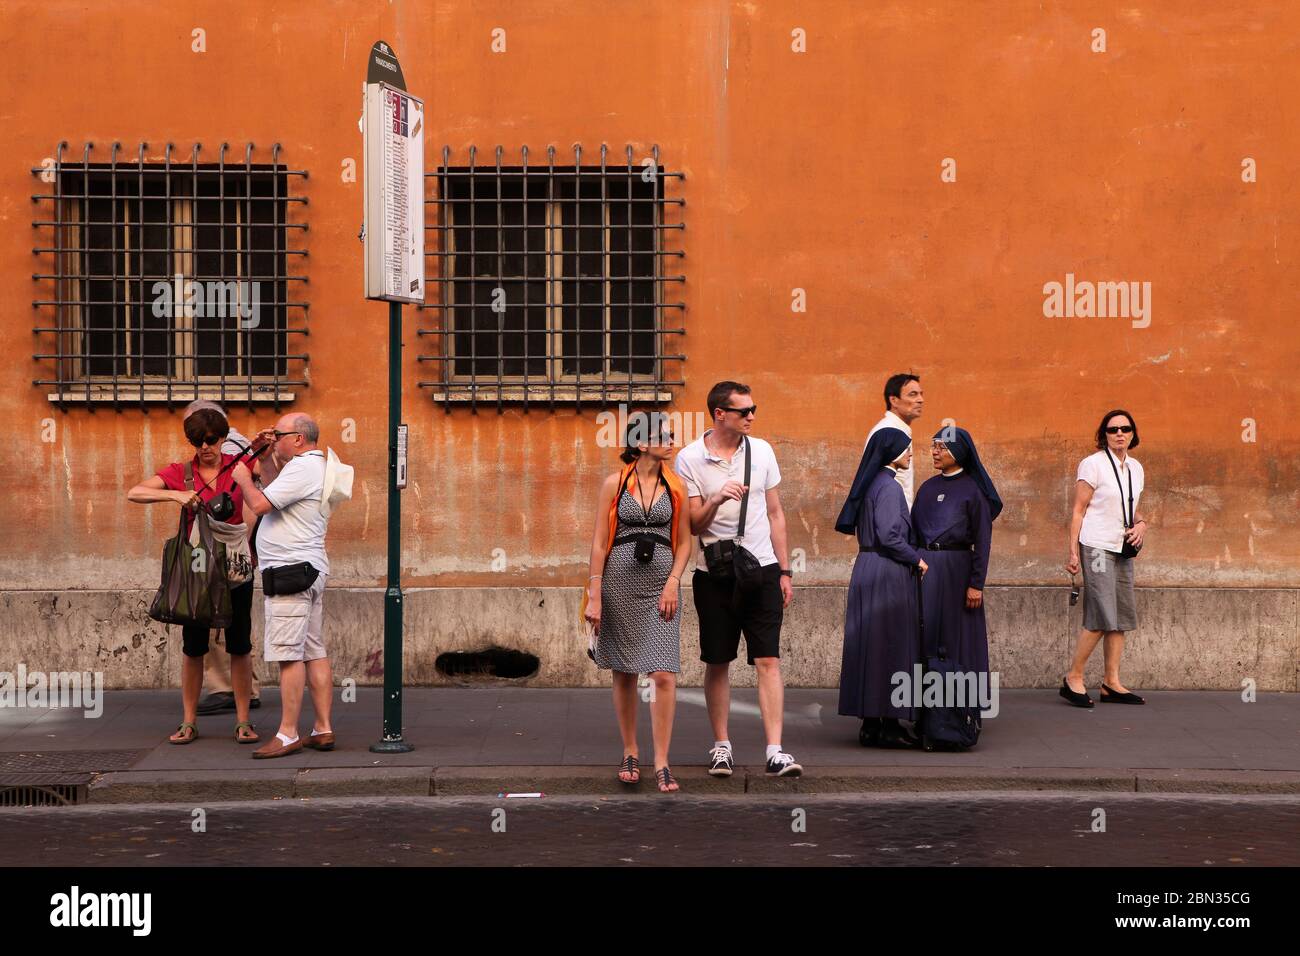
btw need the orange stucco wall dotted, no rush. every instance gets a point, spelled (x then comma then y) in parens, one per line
(818, 171)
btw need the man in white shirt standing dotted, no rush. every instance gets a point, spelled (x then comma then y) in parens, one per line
(903, 403)
(291, 553)
(713, 467)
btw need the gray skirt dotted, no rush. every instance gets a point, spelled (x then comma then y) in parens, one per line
(1108, 602)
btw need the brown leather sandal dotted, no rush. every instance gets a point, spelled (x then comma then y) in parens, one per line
(250, 738)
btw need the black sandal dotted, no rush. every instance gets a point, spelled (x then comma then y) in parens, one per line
(632, 767)
(1078, 700)
(1110, 696)
(666, 779)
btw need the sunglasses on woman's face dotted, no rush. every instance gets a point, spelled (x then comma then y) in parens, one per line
(208, 440)
(1119, 429)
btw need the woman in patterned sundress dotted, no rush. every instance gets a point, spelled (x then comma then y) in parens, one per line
(639, 550)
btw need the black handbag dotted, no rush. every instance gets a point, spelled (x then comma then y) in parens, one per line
(729, 562)
(1130, 517)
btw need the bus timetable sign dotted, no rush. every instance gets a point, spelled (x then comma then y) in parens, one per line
(394, 181)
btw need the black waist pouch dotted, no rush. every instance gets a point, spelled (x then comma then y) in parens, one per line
(289, 579)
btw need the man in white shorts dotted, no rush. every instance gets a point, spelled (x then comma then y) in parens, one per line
(291, 558)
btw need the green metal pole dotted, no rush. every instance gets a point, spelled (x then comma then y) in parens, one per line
(392, 741)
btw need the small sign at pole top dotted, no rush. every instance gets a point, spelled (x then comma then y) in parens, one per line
(393, 127)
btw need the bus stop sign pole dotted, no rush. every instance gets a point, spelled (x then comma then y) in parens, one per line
(393, 233)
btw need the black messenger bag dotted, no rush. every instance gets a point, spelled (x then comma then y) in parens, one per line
(729, 562)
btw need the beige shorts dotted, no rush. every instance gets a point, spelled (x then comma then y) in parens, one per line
(293, 625)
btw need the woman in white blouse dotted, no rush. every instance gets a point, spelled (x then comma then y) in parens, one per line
(1105, 532)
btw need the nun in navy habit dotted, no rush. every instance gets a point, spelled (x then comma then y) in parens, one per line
(953, 521)
(880, 628)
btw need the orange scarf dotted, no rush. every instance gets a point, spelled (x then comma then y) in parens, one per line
(676, 491)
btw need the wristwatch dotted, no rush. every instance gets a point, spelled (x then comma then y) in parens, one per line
(787, 573)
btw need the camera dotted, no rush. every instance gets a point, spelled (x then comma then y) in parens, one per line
(221, 507)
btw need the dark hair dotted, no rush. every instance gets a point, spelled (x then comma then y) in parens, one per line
(1101, 429)
(642, 428)
(894, 387)
(720, 393)
(205, 422)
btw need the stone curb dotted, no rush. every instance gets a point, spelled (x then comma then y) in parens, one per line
(209, 786)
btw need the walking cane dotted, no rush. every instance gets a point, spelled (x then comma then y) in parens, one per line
(920, 632)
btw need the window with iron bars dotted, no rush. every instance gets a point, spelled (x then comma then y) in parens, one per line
(170, 279)
(552, 280)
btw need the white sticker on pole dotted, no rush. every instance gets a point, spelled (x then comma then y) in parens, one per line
(401, 456)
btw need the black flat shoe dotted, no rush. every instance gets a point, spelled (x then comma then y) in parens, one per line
(1078, 700)
(869, 735)
(216, 703)
(1109, 696)
(894, 736)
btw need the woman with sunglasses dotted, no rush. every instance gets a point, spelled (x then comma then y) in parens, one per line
(639, 551)
(1105, 533)
(206, 429)
(953, 520)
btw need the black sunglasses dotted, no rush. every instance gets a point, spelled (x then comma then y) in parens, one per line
(743, 412)
(282, 434)
(208, 440)
(1117, 429)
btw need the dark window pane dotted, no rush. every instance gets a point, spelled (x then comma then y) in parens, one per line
(236, 265)
(587, 244)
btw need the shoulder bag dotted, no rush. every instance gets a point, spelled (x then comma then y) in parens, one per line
(195, 589)
(729, 562)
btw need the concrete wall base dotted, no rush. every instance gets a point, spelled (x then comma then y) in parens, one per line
(1189, 638)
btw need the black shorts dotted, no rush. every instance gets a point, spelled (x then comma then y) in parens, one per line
(759, 616)
(239, 635)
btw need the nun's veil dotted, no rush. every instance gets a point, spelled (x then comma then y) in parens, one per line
(963, 450)
(885, 446)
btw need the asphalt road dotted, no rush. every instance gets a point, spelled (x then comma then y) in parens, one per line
(852, 830)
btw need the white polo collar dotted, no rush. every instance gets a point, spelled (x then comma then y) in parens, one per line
(709, 456)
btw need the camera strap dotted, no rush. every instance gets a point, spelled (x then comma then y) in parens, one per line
(744, 501)
(1131, 513)
(243, 450)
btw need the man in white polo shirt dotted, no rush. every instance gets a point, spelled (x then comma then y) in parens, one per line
(903, 403)
(291, 557)
(713, 467)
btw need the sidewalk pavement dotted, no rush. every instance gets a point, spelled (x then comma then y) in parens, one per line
(488, 740)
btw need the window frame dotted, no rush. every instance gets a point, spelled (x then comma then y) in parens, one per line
(73, 303)
(605, 386)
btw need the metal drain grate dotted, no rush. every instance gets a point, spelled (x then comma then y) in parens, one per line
(69, 761)
(43, 789)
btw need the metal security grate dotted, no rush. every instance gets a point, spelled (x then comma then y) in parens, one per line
(551, 280)
(43, 790)
(169, 281)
